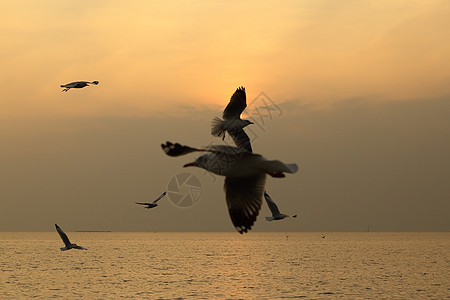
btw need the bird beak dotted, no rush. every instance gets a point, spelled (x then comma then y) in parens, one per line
(189, 165)
(251, 122)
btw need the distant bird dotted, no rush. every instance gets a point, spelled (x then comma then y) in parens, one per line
(245, 177)
(152, 204)
(322, 236)
(66, 241)
(232, 122)
(276, 215)
(77, 85)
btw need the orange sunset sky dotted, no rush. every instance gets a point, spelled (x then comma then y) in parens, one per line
(361, 89)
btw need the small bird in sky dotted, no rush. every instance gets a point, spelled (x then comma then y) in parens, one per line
(67, 243)
(245, 177)
(232, 122)
(152, 204)
(77, 85)
(276, 215)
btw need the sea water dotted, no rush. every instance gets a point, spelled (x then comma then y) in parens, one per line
(226, 266)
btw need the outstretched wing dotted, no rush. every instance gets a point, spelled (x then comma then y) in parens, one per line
(225, 149)
(240, 138)
(236, 105)
(142, 203)
(160, 197)
(271, 204)
(244, 199)
(178, 149)
(63, 236)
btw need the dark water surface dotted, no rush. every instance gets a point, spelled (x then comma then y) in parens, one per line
(226, 265)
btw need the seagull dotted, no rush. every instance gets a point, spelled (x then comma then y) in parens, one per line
(234, 109)
(152, 204)
(276, 215)
(77, 85)
(232, 122)
(245, 177)
(66, 241)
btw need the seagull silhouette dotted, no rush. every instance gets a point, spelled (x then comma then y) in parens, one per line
(77, 85)
(245, 177)
(152, 204)
(67, 243)
(276, 215)
(234, 125)
(232, 122)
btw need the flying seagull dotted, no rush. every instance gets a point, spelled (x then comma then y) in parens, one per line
(152, 204)
(234, 126)
(66, 241)
(232, 112)
(276, 215)
(232, 122)
(77, 85)
(245, 177)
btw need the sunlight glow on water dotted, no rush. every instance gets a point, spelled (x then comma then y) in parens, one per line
(226, 265)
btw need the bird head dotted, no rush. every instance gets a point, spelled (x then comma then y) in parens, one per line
(191, 164)
(247, 122)
(202, 161)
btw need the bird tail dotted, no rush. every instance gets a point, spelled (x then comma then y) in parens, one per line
(276, 168)
(217, 128)
(293, 168)
(269, 219)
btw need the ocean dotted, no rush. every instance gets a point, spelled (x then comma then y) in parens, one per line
(280, 265)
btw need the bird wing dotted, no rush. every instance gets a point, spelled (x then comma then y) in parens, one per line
(178, 149)
(63, 236)
(142, 203)
(68, 85)
(241, 139)
(80, 84)
(272, 205)
(244, 199)
(236, 105)
(160, 197)
(75, 83)
(225, 149)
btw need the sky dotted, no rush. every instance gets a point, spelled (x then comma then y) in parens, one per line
(357, 92)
